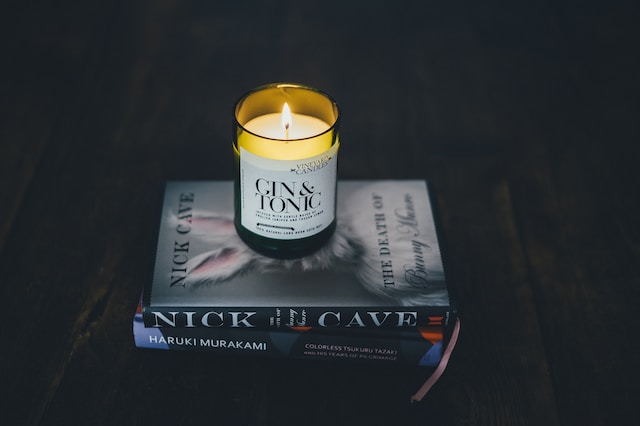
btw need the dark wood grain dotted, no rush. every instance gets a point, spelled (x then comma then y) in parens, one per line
(524, 117)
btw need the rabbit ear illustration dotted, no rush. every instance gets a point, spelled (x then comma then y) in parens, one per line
(208, 223)
(205, 225)
(219, 265)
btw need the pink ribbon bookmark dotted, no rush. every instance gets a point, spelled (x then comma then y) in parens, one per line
(446, 354)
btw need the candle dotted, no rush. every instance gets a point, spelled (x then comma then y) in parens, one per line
(299, 137)
(285, 144)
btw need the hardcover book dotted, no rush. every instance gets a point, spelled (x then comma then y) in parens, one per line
(421, 346)
(382, 268)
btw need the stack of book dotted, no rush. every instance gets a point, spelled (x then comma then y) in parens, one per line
(376, 292)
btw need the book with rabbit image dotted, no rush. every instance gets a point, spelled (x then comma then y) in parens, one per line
(382, 268)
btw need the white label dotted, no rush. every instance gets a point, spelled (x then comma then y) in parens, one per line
(288, 199)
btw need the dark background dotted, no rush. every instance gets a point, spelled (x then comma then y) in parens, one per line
(523, 114)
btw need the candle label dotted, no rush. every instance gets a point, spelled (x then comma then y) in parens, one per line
(288, 199)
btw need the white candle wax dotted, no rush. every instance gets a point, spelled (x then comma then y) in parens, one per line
(302, 126)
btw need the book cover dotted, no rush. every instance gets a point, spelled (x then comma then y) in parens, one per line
(421, 346)
(382, 268)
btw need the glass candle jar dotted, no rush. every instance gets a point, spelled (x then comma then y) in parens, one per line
(285, 144)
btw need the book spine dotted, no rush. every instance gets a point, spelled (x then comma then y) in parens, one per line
(269, 318)
(409, 348)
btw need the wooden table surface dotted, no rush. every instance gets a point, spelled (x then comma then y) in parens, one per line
(524, 117)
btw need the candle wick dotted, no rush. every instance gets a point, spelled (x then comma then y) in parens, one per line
(286, 119)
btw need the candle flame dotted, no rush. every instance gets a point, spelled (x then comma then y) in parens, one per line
(286, 119)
